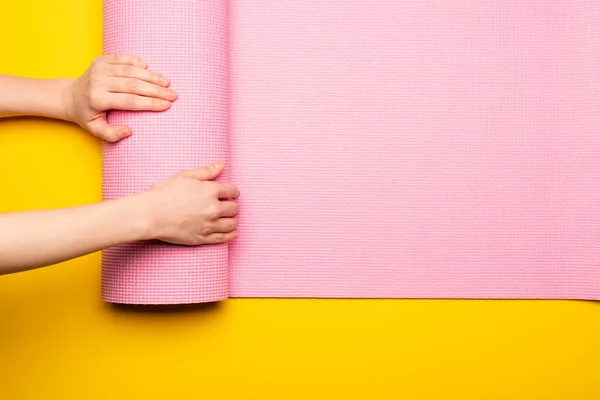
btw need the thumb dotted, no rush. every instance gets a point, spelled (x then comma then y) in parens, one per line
(110, 133)
(206, 173)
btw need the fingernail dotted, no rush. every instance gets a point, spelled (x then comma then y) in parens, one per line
(141, 63)
(165, 103)
(125, 133)
(172, 94)
(218, 164)
(164, 80)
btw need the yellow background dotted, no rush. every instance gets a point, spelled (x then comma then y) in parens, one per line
(59, 341)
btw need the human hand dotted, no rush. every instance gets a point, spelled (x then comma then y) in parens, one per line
(188, 208)
(115, 82)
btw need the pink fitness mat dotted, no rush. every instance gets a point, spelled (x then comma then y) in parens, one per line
(383, 148)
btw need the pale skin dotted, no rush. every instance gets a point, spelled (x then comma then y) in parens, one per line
(188, 208)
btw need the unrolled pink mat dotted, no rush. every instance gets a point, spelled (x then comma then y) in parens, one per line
(383, 148)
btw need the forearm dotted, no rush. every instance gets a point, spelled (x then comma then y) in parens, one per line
(38, 97)
(37, 238)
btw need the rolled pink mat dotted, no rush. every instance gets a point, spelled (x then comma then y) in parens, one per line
(382, 148)
(186, 41)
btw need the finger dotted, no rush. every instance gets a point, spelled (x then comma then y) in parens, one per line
(126, 59)
(228, 209)
(130, 71)
(110, 133)
(225, 225)
(221, 237)
(206, 173)
(227, 191)
(133, 102)
(140, 87)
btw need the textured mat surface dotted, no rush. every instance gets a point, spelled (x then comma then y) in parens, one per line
(186, 41)
(382, 148)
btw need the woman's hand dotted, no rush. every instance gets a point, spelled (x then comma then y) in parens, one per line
(115, 82)
(185, 209)
(189, 209)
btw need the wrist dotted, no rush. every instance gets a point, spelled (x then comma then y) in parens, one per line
(37, 97)
(50, 98)
(64, 101)
(136, 212)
